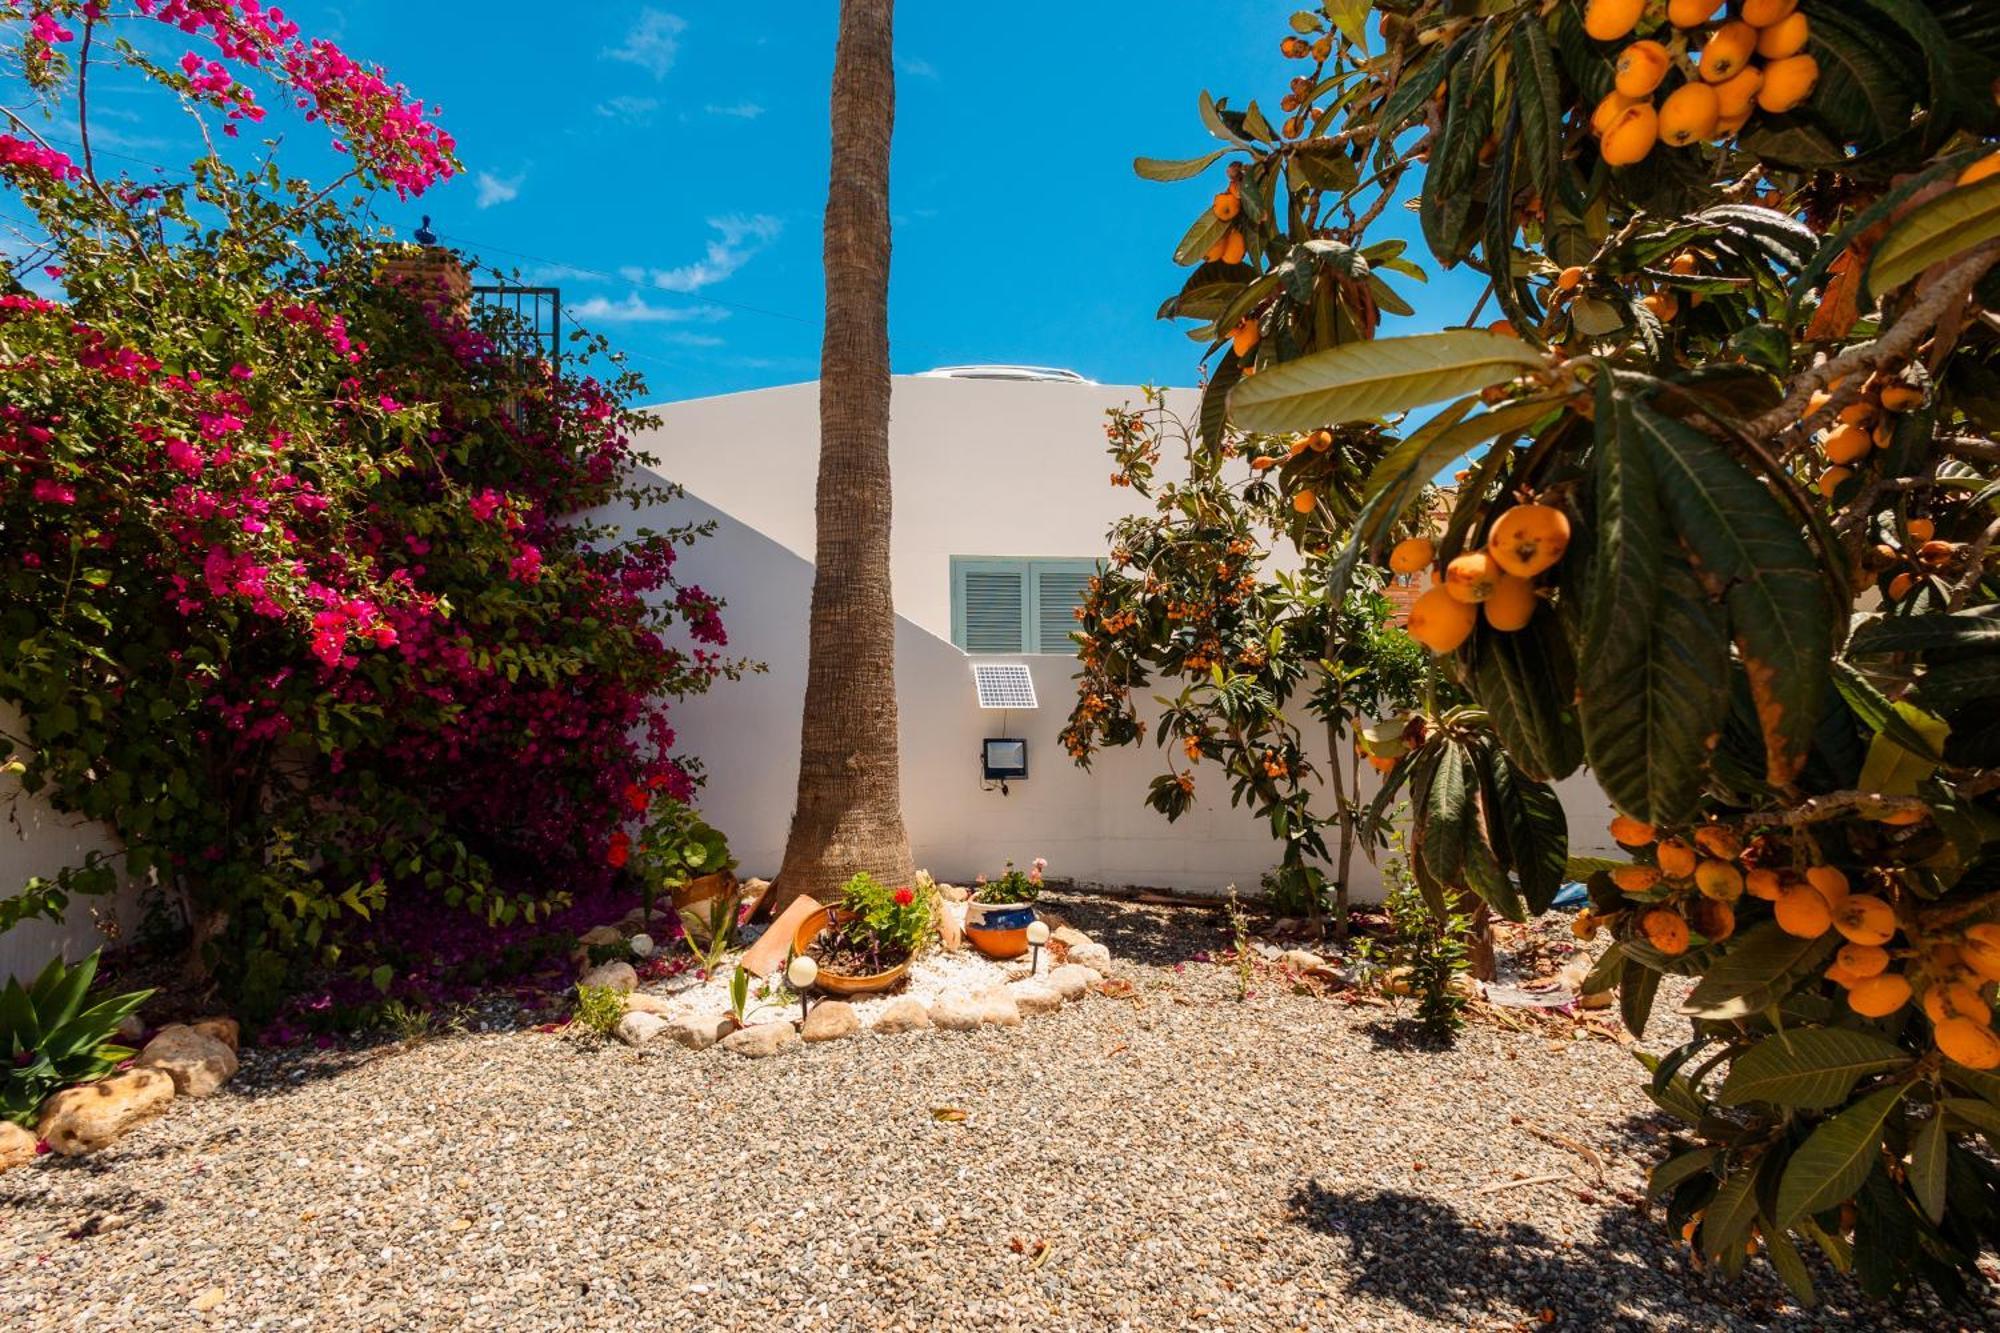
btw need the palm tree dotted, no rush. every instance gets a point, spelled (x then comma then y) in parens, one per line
(849, 814)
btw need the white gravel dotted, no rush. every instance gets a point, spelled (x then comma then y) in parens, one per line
(932, 975)
(1172, 1160)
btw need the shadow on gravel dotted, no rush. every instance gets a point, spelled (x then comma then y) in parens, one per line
(1142, 933)
(1406, 1034)
(1422, 1254)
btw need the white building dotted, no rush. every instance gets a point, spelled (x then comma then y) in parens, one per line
(1003, 501)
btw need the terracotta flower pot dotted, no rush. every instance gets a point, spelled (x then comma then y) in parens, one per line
(999, 930)
(839, 983)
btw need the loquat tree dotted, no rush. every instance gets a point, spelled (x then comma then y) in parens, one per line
(1725, 539)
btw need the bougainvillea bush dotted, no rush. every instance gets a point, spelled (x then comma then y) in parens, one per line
(294, 593)
(1727, 536)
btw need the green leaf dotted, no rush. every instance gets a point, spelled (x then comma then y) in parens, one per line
(1835, 1158)
(1809, 1069)
(1351, 17)
(1526, 681)
(1981, 1115)
(1414, 90)
(1791, 1268)
(1730, 1214)
(1654, 661)
(1538, 95)
(1660, 1181)
(1929, 1157)
(1758, 969)
(1444, 816)
(1893, 768)
(1933, 232)
(1176, 169)
(1637, 985)
(1205, 231)
(1365, 380)
(1917, 634)
(1747, 546)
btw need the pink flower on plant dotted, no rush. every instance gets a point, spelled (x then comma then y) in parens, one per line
(53, 492)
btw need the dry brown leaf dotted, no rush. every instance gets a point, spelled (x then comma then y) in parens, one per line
(951, 1113)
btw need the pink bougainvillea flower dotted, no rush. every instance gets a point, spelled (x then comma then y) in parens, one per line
(53, 492)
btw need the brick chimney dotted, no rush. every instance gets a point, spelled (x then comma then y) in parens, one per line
(430, 273)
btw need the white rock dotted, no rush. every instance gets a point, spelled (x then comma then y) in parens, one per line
(638, 1029)
(643, 946)
(616, 976)
(1303, 959)
(956, 1013)
(1091, 954)
(598, 936)
(698, 1034)
(761, 1039)
(831, 1020)
(197, 1064)
(1035, 997)
(639, 1002)
(1069, 937)
(904, 1015)
(1072, 980)
(997, 1008)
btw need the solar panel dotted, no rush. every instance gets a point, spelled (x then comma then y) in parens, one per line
(1003, 685)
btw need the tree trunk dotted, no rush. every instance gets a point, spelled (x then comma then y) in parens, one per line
(849, 815)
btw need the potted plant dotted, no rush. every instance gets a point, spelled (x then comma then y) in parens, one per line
(1001, 910)
(865, 942)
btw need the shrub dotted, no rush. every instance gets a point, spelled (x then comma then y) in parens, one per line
(599, 1009)
(49, 1040)
(295, 595)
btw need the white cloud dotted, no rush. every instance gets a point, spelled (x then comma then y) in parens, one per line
(496, 190)
(637, 110)
(918, 68)
(741, 238)
(652, 44)
(740, 110)
(636, 309)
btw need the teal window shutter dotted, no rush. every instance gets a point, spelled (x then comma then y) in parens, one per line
(989, 605)
(1060, 588)
(1001, 605)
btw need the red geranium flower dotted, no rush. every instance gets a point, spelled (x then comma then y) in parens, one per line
(904, 897)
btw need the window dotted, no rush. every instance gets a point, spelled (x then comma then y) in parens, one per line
(1017, 606)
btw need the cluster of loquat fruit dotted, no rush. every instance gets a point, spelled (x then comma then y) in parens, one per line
(1231, 246)
(1692, 885)
(1499, 580)
(1717, 93)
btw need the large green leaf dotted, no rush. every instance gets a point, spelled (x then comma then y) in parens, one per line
(1810, 1069)
(1918, 634)
(1729, 1216)
(1526, 681)
(1365, 380)
(1749, 548)
(1933, 232)
(1168, 169)
(1864, 92)
(1443, 817)
(1929, 1157)
(1653, 665)
(1536, 832)
(1757, 970)
(1833, 1161)
(1661, 1180)
(1538, 95)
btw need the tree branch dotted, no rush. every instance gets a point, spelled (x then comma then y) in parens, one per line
(1900, 339)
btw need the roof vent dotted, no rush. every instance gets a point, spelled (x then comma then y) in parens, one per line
(1005, 373)
(1003, 685)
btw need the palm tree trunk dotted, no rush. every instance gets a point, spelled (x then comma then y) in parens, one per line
(849, 813)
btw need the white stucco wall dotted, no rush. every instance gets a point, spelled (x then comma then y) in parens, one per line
(980, 468)
(36, 840)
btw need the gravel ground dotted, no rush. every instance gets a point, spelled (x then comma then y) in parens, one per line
(1173, 1160)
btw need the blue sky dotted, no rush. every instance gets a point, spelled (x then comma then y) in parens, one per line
(665, 165)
